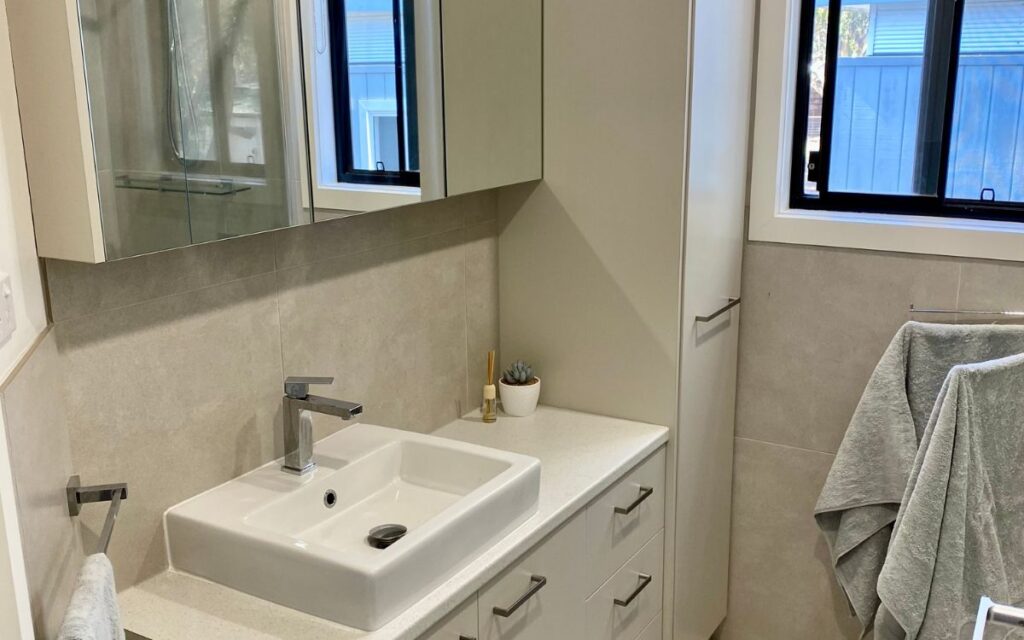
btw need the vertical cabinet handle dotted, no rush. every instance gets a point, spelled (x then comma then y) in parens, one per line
(708, 318)
(644, 581)
(645, 492)
(536, 584)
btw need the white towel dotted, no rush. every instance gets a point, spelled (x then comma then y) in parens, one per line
(92, 613)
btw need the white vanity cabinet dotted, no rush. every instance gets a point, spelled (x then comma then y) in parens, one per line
(599, 576)
(460, 624)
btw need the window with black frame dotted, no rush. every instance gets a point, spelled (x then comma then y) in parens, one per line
(911, 107)
(374, 79)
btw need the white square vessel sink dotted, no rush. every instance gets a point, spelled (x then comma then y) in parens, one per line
(273, 535)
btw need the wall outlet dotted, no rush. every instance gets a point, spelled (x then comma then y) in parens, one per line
(6, 309)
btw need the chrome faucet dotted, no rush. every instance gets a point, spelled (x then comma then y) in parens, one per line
(298, 422)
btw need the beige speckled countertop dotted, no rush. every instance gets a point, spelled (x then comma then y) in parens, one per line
(581, 455)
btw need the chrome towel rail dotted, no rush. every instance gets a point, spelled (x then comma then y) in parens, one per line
(989, 611)
(967, 312)
(112, 493)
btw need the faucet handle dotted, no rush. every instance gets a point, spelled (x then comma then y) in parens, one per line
(297, 387)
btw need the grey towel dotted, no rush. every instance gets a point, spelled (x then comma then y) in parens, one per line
(960, 532)
(93, 613)
(862, 495)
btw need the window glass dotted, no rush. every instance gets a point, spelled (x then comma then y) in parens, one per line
(911, 107)
(986, 159)
(375, 98)
(816, 93)
(877, 97)
(371, 78)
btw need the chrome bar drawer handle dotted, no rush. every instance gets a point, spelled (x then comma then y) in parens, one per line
(536, 584)
(732, 303)
(645, 492)
(644, 581)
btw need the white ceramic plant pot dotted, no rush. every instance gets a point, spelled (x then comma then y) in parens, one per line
(520, 400)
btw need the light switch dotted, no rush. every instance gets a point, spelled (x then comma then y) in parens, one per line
(6, 308)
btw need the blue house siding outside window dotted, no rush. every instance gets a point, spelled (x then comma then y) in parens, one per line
(878, 97)
(371, 60)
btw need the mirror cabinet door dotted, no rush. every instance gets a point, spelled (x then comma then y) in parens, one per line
(191, 121)
(211, 119)
(492, 93)
(415, 100)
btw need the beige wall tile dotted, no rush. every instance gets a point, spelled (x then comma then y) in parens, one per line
(356, 234)
(482, 320)
(815, 321)
(40, 450)
(172, 396)
(389, 325)
(78, 289)
(992, 286)
(174, 362)
(781, 586)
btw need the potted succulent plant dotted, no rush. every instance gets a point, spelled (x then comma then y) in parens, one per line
(520, 389)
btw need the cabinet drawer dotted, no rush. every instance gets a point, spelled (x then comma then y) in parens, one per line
(555, 608)
(460, 624)
(626, 604)
(653, 630)
(613, 537)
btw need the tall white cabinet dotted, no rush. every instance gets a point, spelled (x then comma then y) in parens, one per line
(714, 217)
(635, 231)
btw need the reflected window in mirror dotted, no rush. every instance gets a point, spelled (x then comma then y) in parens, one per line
(212, 43)
(373, 96)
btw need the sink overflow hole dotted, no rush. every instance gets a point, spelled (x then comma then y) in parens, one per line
(330, 499)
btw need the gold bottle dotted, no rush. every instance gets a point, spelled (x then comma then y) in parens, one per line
(490, 408)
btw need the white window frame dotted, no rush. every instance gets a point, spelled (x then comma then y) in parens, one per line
(772, 219)
(370, 112)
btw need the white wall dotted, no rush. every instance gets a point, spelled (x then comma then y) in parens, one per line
(17, 259)
(590, 257)
(15, 609)
(17, 241)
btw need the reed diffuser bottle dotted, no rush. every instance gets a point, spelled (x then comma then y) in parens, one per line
(490, 408)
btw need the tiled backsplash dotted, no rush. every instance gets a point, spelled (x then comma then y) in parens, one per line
(40, 450)
(174, 362)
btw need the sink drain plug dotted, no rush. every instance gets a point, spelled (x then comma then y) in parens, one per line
(385, 535)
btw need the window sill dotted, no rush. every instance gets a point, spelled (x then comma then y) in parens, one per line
(358, 197)
(886, 232)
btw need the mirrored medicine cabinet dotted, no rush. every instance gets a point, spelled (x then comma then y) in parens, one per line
(156, 124)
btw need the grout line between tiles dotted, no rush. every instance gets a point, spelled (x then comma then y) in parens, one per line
(959, 285)
(786, 446)
(465, 314)
(280, 323)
